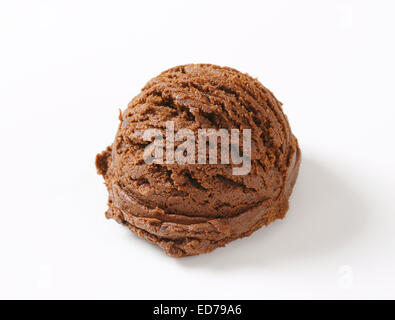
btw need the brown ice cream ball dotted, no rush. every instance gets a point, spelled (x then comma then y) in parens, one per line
(179, 195)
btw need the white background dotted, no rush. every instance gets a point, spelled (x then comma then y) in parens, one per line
(66, 67)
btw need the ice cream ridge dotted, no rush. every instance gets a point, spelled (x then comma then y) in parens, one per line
(203, 155)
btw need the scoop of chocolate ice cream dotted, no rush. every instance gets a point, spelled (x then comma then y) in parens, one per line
(189, 209)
